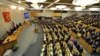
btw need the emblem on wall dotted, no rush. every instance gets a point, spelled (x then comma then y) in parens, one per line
(6, 16)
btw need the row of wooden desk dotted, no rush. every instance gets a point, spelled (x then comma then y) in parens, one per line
(10, 41)
(14, 36)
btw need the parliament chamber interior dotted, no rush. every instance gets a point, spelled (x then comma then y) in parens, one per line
(49, 27)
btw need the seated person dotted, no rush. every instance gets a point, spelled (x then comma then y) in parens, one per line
(14, 29)
(17, 26)
(81, 50)
(20, 24)
(8, 32)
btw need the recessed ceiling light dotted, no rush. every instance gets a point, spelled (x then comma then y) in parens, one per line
(19, 1)
(21, 8)
(85, 2)
(60, 6)
(94, 9)
(53, 8)
(36, 1)
(36, 6)
(66, 9)
(78, 8)
(13, 7)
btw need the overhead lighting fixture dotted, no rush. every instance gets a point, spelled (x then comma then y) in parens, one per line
(19, 1)
(53, 8)
(85, 2)
(94, 9)
(78, 8)
(36, 1)
(66, 9)
(60, 6)
(35, 6)
(13, 7)
(21, 8)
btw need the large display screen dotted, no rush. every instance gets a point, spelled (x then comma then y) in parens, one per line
(26, 15)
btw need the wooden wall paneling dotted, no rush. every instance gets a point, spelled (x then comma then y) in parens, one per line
(34, 13)
(57, 14)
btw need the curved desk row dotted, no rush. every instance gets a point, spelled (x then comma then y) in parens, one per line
(14, 36)
(82, 41)
(10, 41)
(54, 45)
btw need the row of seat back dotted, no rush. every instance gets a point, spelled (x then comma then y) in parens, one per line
(58, 42)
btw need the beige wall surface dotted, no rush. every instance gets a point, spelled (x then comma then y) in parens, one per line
(17, 16)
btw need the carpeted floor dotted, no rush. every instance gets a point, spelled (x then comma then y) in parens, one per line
(26, 39)
(35, 49)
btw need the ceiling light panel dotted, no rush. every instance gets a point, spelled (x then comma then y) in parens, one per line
(60, 6)
(85, 2)
(35, 6)
(36, 1)
(13, 7)
(78, 8)
(21, 8)
(53, 8)
(66, 9)
(94, 9)
(19, 1)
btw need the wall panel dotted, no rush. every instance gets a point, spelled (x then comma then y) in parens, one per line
(16, 16)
